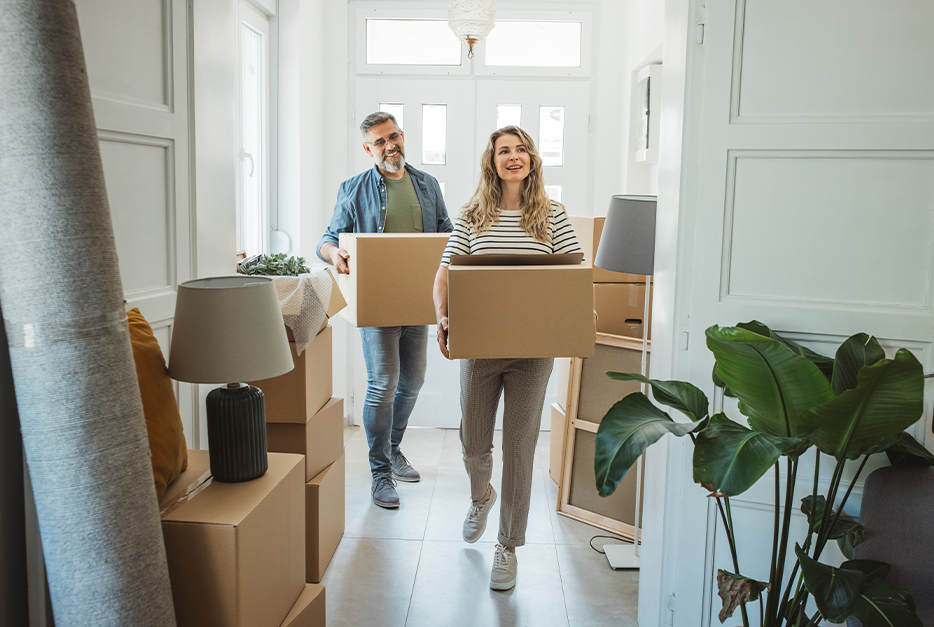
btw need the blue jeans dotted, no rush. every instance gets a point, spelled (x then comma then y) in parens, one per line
(396, 359)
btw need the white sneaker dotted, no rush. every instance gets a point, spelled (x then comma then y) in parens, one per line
(475, 523)
(505, 569)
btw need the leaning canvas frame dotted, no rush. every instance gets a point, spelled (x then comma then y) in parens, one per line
(572, 426)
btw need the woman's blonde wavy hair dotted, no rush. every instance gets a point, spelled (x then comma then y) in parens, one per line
(482, 210)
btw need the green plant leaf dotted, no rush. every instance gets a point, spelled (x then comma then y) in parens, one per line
(833, 589)
(850, 540)
(774, 385)
(847, 532)
(729, 458)
(631, 426)
(857, 351)
(685, 397)
(871, 568)
(736, 590)
(823, 363)
(720, 384)
(886, 400)
(907, 451)
(880, 604)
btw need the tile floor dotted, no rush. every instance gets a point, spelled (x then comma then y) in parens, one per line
(411, 566)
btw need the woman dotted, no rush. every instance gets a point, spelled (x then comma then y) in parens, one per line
(509, 213)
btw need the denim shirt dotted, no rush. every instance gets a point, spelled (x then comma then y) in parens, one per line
(361, 206)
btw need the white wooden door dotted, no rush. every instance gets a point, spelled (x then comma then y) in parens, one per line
(138, 69)
(812, 210)
(471, 111)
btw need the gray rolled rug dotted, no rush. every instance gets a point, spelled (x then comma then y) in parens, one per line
(79, 405)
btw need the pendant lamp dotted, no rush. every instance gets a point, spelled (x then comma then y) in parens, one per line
(471, 20)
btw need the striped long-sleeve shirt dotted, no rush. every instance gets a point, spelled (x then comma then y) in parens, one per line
(507, 237)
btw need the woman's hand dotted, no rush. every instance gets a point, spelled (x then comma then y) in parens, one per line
(443, 336)
(440, 296)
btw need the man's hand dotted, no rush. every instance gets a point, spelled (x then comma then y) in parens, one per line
(339, 257)
(443, 336)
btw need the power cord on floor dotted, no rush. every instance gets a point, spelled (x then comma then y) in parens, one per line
(621, 541)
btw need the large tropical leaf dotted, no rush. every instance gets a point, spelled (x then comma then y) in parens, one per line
(873, 569)
(907, 451)
(773, 384)
(814, 510)
(833, 589)
(880, 604)
(729, 458)
(631, 426)
(685, 397)
(886, 400)
(857, 351)
(736, 590)
(824, 364)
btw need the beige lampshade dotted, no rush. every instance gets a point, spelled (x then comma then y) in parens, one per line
(228, 329)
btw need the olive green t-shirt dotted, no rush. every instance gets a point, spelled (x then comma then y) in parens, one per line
(403, 213)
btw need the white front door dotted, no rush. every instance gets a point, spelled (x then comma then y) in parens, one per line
(811, 210)
(137, 58)
(470, 109)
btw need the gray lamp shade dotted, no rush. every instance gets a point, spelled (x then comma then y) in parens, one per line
(228, 329)
(628, 240)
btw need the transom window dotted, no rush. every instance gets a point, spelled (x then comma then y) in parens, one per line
(411, 42)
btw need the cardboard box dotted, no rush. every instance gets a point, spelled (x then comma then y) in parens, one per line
(301, 392)
(521, 311)
(563, 380)
(620, 308)
(559, 424)
(588, 230)
(309, 610)
(236, 550)
(391, 278)
(336, 304)
(320, 440)
(324, 524)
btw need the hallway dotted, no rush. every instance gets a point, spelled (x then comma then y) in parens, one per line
(411, 567)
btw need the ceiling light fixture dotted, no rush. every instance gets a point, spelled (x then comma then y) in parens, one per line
(471, 20)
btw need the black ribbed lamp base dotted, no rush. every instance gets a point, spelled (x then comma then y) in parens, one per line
(237, 433)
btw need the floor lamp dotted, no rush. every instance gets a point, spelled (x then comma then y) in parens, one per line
(628, 245)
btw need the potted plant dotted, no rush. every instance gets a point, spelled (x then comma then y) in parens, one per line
(852, 406)
(273, 265)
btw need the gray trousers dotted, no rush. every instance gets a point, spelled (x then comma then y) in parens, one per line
(522, 383)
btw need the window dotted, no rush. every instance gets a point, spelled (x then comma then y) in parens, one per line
(397, 110)
(554, 192)
(411, 42)
(551, 135)
(534, 44)
(253, 214)
(434, 134)
(508, 115)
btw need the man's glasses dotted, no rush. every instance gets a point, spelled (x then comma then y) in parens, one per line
(394, 139)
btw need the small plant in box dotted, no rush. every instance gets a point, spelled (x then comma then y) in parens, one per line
(852, 406)
(273, 265)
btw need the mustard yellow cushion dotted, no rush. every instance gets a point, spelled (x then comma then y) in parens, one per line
(163, 422)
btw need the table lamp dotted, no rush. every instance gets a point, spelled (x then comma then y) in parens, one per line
(229, 329)
(627, 244)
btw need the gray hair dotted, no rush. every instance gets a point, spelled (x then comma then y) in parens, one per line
(375, 119)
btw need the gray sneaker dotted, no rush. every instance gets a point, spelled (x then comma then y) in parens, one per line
(475, 523)
(384, 492)
(505, 569)
(401, 468)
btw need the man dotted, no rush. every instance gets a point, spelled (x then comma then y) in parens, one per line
(391, 197)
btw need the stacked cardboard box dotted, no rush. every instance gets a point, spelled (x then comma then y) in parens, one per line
(236, 551)
(619, 298)
(303, 418)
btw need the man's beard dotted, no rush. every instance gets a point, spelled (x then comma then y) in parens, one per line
(395, 163)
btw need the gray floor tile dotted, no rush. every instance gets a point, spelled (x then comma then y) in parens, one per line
(595, 594)
(370, 581)
(452, 588)
(364, 519)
